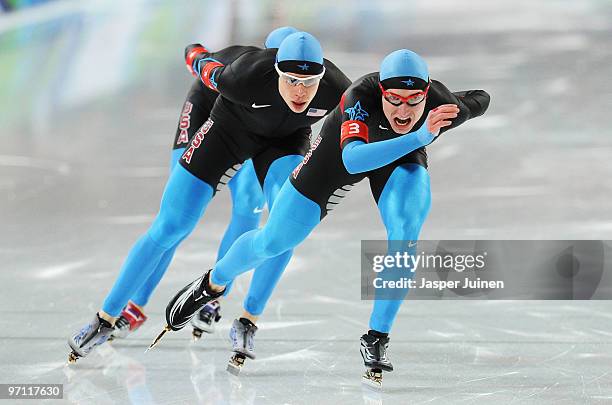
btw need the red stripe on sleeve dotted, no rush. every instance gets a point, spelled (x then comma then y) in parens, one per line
(207, 72)
(193, 53)
(353, 129)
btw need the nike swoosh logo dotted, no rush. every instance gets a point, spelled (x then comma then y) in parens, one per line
(411, 244)
(257, 210)
(381, 127)
(261, 105)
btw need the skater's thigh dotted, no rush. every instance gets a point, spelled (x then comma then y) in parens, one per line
(403, 197)
(278, 173)
(214, 154)
(291, 220)
(195, 112)
(247, 195)
(287, 150)
(401, 178)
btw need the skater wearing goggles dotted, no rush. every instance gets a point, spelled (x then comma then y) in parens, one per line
(257, 116)
(379, 131)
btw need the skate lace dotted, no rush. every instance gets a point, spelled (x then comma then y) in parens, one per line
(122, 323)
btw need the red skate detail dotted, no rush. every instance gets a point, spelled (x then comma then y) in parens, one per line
(134, 316)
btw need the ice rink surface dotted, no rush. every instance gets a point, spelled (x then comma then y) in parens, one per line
(91, 96)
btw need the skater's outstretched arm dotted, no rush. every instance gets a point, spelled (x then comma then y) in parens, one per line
(471, 103)
(477, 101)
(359, 156)
(228, 79)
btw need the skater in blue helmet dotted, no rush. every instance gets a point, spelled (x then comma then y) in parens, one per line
(379, 131)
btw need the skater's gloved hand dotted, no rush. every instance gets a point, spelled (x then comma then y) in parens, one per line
(193, 53)
(441, 117)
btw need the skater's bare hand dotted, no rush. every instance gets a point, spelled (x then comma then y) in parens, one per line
(441, 117)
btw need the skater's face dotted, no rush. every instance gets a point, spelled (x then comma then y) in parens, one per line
(297, 95)
(402, 117)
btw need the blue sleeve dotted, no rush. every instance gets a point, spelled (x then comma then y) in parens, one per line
(359, 157)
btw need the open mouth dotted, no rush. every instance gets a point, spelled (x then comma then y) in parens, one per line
(402, 122)
(298, 105)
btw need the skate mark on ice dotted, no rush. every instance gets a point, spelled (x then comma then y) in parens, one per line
(140, 172)
(540, 391)
(488, 378)
(302, 354)
(62, 168)
(126, 220)
(60, 270)
(331, 300)
(272, 325)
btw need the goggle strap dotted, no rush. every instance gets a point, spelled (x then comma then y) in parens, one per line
(300, 79)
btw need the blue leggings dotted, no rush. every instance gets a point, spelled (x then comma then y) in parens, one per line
(183, 203)
(404, 204)
(247, 205)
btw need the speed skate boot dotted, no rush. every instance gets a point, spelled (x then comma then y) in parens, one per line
(91, 335)
(205, 320)
(374, 353)
(131, 318)
(242, 335)
(184, 305)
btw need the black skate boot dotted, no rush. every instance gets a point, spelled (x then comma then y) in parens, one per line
(374, 353)
(242, 335)
(184, 305)
(205, 320)
(91, 335)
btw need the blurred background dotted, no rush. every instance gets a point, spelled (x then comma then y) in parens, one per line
(90, 96)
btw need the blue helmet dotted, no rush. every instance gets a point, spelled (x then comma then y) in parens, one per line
(274, 38)
(404, 69)
(300, 53)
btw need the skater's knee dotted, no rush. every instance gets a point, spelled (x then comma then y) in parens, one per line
(268, 245)
(279, 236)
(407, 225)
(248, 202)
(170, 227)
(405, 230)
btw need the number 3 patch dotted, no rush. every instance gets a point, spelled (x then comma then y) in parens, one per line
(353, 129)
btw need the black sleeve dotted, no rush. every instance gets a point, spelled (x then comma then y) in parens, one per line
(228, 83)
(470, 105)
(225, 55)
(477, 101)
(234, 81)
